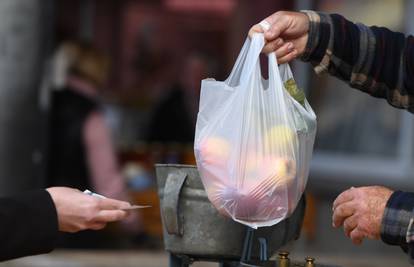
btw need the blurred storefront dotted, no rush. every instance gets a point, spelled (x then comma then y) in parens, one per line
(160, 50)
(361, 140)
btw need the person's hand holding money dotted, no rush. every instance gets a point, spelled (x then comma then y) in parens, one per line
(77, 211)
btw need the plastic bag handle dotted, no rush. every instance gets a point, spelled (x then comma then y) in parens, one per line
(271, 56)
(274, 70)
(234, 75)
(256, 45)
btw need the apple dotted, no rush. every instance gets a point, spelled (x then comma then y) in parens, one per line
(239, 204)
(215, 151)
(273, 171)
(281, 169)
(263, 192)
(280, 136)
(267, 181)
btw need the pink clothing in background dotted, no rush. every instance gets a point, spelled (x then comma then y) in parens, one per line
(106, 178)
(103, 166)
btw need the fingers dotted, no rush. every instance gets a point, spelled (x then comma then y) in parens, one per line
(255, 29)
(105, 216)
(97, 226)
(356, 236)
(99, 220)
(350, 224)
(112, 204)
(360, 211)
(273, 46)
(342, 212)
(345, 196)
(289, 57)
(285, 53)
(278, 26)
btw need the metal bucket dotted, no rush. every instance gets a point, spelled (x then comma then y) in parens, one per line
(192, 226)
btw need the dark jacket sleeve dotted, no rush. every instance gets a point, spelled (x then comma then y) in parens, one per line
(373, 59)
(28, 225)
(379, 62)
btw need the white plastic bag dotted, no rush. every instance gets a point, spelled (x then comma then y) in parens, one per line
(253, 141)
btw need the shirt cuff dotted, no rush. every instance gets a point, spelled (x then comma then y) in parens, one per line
(313, 35)
(319, 46)
(30, 225)
(398, 213)
(45, 227)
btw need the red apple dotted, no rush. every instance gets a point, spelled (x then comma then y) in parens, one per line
(215, 151)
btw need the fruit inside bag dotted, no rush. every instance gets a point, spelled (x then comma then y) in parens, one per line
(254, 141)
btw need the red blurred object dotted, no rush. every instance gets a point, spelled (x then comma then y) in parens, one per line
(221, 6)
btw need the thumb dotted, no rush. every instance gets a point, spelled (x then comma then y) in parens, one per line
(276, 30)
(255, 29)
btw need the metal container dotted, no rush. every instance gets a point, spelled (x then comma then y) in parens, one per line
(193, 227)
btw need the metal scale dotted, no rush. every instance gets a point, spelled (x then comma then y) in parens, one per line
(194, 231)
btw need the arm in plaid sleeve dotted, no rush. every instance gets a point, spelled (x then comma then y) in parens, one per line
(397, 222)
(374, 60)
(381, 63)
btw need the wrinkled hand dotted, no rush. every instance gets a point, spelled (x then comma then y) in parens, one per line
(77, 211)
(287, 36)
(360, 211)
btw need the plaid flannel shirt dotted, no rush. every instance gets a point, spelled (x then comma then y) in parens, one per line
(379, 62)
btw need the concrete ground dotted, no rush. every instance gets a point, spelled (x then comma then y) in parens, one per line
(64, 258)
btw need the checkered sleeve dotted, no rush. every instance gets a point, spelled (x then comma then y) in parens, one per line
(397, 222)
(373, 59)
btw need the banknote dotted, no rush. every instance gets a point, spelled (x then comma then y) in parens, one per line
(135, 207)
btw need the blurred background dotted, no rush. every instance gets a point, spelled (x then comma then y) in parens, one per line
(128, 73)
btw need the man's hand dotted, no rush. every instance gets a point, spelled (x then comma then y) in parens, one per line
(287, 36)
(77, 211)
(360, 211)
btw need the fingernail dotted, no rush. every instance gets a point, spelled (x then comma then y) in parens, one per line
(290, 46)
(264, 25)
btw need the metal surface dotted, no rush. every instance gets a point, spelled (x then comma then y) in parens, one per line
(207, 235)
(283, 259)
(170, 215)
(310, 262)
(289, 264)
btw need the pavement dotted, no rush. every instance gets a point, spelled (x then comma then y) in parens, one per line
(95, 258)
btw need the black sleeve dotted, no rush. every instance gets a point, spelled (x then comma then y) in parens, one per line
(373, 59)
(28, 225)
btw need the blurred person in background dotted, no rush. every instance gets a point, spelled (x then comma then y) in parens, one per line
(376, 61)
(81, 151)
(174, 117)
(30, 221)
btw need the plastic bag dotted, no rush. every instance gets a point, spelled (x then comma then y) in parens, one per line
(253, 141)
